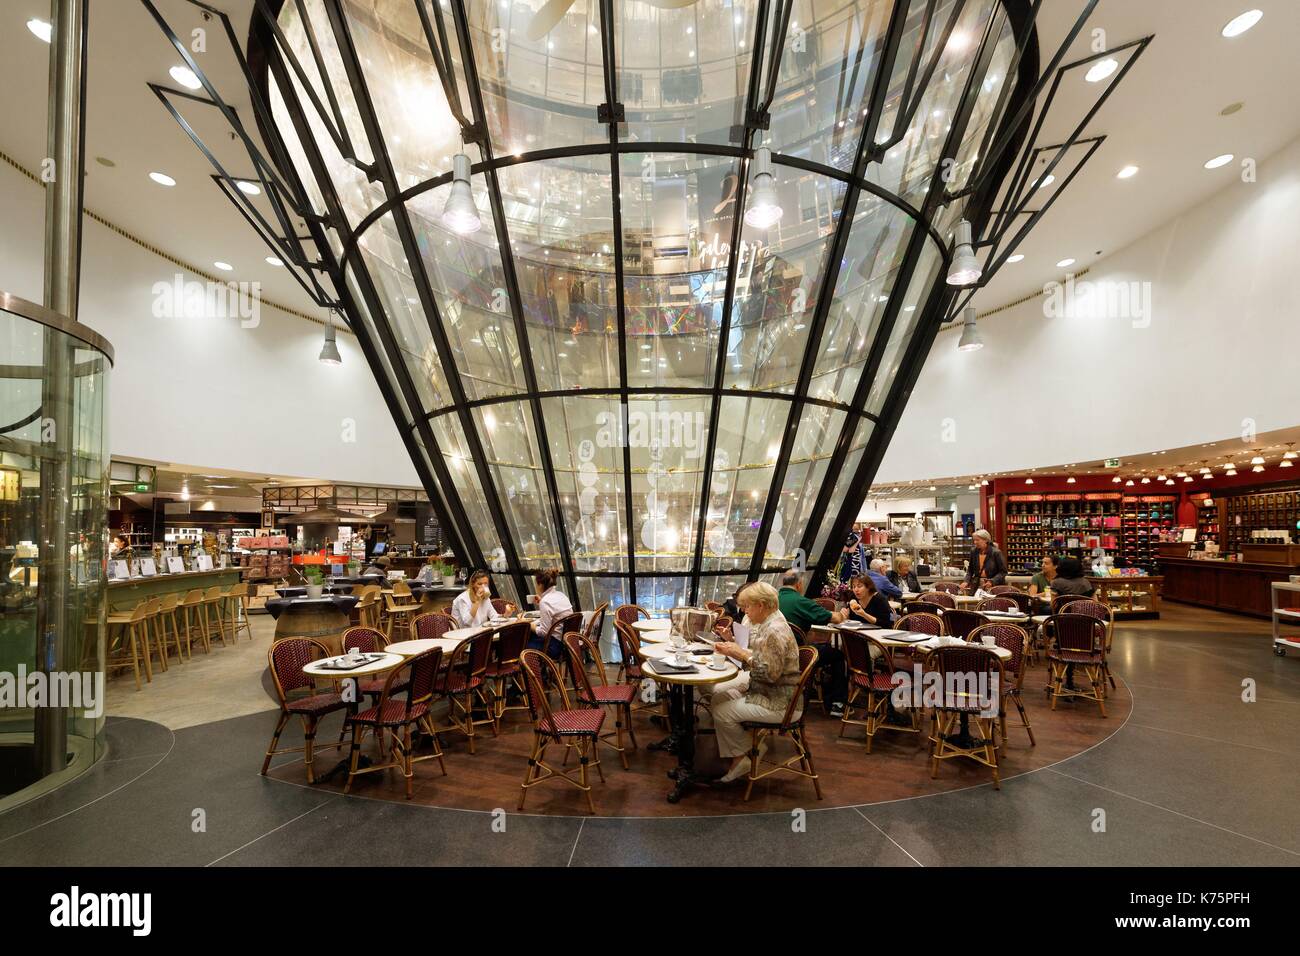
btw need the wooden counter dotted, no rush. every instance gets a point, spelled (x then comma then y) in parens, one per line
(123, 595)
(1242, 587)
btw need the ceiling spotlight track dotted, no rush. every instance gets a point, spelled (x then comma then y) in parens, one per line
(472, 318)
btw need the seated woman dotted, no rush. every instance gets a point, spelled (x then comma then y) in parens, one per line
(769, 673)
(473, 606)
(869, 606)
(552, 604)
(903, 577)
(1069, 578)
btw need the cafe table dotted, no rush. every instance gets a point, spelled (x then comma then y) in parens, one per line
(681, 712)
(653, 630)
(323, 619)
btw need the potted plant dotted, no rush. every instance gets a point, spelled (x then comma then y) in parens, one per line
(315, 582)
(354, 567)
(448, 572)
(838, 592)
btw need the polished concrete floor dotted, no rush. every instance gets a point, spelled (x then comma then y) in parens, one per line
(1201, 770)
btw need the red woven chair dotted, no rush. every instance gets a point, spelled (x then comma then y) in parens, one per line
(790, 725)
(999, 590)
(956, 701)
(997, 604)
(630, 670)
(499, 605)
(946, 587)
(1079, 643)
(504, 669)
(286, 659)
(1059, 601)
(431, 625)
(568, 727)
(923, 607)
(1024, 603)
(582, 653)
(920, 622)
(1104, 613)
(464, 681)
(941, 598)
(594, 629)
(959, 622)
(1013, 638)
(397, 718)
(630, 613)
(871, 672)
(368, 640)
(828, 603)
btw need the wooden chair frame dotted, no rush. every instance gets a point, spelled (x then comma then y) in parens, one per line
(580, 648)
(309, 721)
(801, 763)
(863, 663)
(1008, 636)
(415, 677)
(1095, 669)
(539, 670)
(466, 658)
(945, 717)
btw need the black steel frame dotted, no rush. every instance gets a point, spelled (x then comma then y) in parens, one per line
(268, 60)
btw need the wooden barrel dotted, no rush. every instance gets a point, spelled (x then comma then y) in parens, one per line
(320, 620)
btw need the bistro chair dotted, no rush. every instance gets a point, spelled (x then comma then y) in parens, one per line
(958, 706)
(124, 649)
(998, 590)
(618, 697)
(429, 626)
(504, 670)
(1079, 643)
(1059, 601)
(369, 640)
(594, 629)
(871, 672)
(997, 604)
(499, 606)
(398, 613)
(791, 725)
(464, 681)
(402, 590)
(568, 624)
(942, 598)
(571, 728)
(1024, 603)
(415, 678)
(920, 622)
(959, 623)
(1015, 639)
(630, 613)
(715, 607)
(631, 669)
(946, 587)
(286, 659)
(924, 607)
(828, 603)
(1104, 613)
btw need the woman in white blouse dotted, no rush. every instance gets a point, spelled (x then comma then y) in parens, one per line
(552, 604)
(770, 672)
(473, 606)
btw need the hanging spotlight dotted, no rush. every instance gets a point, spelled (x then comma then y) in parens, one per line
(964, 268)
(1160, 478)
(329, 352)
(1116, 480)
(1146, 480)
(460, 214)
(764, 208)
(1231, 472)
(1285, 463)
(1257, 460)
(1186, 479)
(970, 333)
(1070, 480)
(1257, 468)
(1169, 482)
(1029, 481)
(1129, 483)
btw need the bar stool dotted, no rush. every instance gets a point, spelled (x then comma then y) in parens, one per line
(236, 602)
(399, 614)
(125, 650)
(195, 612)
(150, 635)
(168, 623)
(215, 602)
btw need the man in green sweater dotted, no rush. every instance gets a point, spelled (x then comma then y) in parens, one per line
(803, 613)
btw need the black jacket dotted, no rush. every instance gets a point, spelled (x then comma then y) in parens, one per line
(995, 567)
(905, 582)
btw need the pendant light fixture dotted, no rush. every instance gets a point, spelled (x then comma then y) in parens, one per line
(970, 333)
(460, 214)
(1070, 480)
(964, 270)
(329, 351)
(764, 208)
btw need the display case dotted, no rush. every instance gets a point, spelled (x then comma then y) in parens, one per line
(1036, 524)
(1130, 595)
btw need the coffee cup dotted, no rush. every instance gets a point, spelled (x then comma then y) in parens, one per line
(680, 657)
(718, 659)
(988, 640)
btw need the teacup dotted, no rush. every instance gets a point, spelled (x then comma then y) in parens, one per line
(718, 660)
(988, 640)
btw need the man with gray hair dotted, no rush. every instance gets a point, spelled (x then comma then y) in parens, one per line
(986, 566)
(885, 586)
(803, 613)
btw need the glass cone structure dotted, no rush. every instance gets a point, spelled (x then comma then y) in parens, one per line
(615, 374)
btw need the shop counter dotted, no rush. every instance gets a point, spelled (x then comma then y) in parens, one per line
(1242, 587)
(124, 595)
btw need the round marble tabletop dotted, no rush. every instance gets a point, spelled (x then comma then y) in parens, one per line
(411, 648)
(386, 662)
(655, 630)
(704, 673)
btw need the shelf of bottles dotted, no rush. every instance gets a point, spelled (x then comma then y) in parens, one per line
(1144, 518)
(1207, 522)
(1059, 524)
(1273, 510)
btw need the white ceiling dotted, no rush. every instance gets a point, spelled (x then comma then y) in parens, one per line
(1164, 118)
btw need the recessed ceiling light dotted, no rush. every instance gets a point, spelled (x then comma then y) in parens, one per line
(1231, 108)
(185, 77)
(1016, 258)
(273, 260)
(162, 179)
(1065, 263)
(224, 266)
(1218, 161)
(1241, 23)
(105, 161)
(248, 188)
(1047, 181)
(41, 29)
(1128, 172)
(1101, 70)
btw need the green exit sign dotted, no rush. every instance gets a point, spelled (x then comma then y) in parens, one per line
(1112, 463)
(142, 486)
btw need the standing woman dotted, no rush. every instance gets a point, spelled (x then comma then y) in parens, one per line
(986, 565)
(552, 604)
(769, 674)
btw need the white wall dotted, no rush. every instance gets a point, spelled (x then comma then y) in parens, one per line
(207, 391)
(1222, 346)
